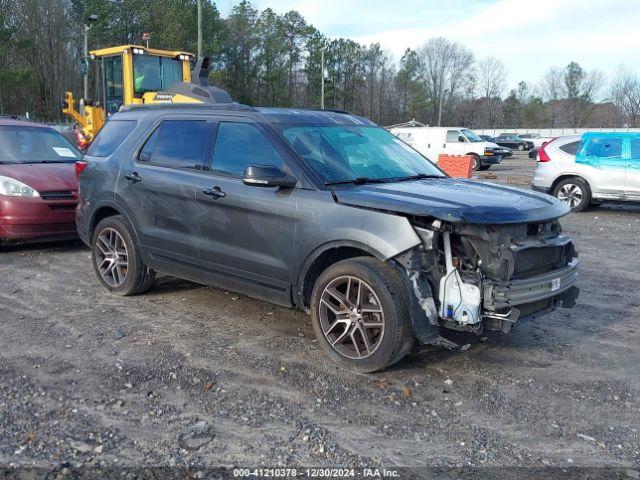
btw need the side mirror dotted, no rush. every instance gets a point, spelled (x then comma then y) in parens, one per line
(267, 176)
(460, 138)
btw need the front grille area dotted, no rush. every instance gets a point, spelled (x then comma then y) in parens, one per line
(53, 227)
(534, 261)
(58, 195)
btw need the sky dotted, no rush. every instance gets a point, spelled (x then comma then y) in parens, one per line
(528, 36)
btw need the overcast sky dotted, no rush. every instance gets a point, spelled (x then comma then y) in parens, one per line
(529, 36)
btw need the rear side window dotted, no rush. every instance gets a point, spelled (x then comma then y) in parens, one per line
(110, 137)
(177, 144)
(570, 148)
(605, 147)
(635, 149)
(239, 145)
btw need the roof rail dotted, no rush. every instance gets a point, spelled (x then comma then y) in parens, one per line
(191, 106)
(332, 110)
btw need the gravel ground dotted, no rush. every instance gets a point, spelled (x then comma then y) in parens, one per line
(193, 375)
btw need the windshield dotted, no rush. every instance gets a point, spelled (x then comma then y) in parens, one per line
(344, 153)
(152, 73)
(19, 144)
(471, 135)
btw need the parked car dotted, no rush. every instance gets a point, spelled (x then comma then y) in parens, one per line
(435, 141)
(504, 152)
(533, 153)
(38, 185)
(535, 138)
(590, 169)
(513, 141)
(319, 210)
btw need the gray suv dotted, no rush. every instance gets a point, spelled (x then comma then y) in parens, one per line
(324, 211)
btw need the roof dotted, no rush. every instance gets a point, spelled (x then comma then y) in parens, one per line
(151, 51)
(588, 135)
(14, 122)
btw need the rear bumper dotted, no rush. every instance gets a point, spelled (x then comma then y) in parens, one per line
(501, 295)
(34, 218)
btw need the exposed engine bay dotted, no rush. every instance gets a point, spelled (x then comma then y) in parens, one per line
(472, 277)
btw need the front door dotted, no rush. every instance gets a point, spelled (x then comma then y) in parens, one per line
(604, 155)
(632, 173)
(247, 232)
(160, 184)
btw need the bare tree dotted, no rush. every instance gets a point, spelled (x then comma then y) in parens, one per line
(552, 84)
(625, 92)
(491, 83)
(444, 64)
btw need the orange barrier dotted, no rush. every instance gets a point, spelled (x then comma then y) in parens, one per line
(458, 166)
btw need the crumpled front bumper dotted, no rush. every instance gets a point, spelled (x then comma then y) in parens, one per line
(501, 295)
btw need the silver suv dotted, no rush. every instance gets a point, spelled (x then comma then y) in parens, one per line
(591, 168)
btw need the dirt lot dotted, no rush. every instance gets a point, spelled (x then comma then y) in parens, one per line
(188, 374)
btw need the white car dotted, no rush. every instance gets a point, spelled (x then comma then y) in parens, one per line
(434, 141)
(535, 138)
(591, 168)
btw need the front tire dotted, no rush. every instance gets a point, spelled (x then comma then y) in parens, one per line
(116, 259)
(575, 192)
(475, 162)
(360, 314)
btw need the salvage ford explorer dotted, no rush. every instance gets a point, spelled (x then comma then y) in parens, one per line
(321, 210)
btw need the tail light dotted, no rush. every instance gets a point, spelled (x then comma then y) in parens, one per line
(80, 166)
(543, 156)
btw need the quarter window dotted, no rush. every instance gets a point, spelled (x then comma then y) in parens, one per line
(177, 144)
(570, 148)
(239, 145)
(635, 149)
(110, 137)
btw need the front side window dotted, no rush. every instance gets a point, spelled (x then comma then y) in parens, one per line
(177, 144)
(635, 149)
(110, 137)
(22, 144)
(345, 152)
(240, 145)
(452, 135)
(152, 73)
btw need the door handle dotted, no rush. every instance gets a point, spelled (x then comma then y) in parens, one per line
(214, 192)
(133, 177)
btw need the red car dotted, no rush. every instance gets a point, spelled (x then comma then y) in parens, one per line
(38, 185)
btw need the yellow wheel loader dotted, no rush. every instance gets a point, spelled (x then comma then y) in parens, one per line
(132, 74)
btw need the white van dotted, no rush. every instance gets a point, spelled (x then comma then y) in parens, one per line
(433, 141)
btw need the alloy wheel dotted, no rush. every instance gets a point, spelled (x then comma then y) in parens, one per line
(351, 317)
(112, 257)
(571, 194)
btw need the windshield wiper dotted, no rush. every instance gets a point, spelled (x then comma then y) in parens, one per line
(357, 181)
(418, 176)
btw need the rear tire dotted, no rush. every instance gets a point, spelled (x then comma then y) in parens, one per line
(521, 147)
(116, 259)
(575, 192)
(360, 314)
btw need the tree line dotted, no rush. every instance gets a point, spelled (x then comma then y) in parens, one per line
(270, 59)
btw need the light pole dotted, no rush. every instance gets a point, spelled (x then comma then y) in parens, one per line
(322, 82)
(440, 107)
(199, 28)
(85, 29)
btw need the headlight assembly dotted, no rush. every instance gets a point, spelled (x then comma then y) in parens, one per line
(14, 188)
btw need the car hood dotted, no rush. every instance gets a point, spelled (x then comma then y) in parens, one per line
(43, 177)
(454, 200)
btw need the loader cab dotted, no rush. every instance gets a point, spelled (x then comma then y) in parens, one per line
(133, 74)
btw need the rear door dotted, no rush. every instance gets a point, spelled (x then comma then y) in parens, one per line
(246, 232)
(604, 156)
(160, 184)
(632, 173)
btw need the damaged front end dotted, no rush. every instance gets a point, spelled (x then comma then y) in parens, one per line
(474, 277)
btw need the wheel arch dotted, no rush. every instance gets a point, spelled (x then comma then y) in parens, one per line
(323, 257)
(566, 176)
(106, 210)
